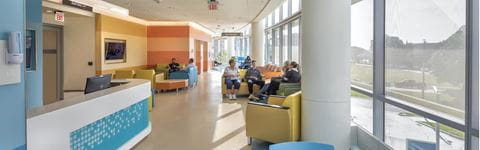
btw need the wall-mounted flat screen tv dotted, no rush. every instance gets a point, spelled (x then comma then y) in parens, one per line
(115, 51)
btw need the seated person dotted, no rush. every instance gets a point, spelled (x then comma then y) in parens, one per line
(174, 66)
(232, 79)
(191, 64)
(247, 63)
(292, 75)
(253, 76)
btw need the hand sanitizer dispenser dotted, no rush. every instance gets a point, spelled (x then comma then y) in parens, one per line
(14, 53)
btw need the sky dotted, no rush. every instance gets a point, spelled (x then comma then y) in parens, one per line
(411, 20)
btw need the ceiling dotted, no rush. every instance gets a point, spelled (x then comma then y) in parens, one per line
(232, 15)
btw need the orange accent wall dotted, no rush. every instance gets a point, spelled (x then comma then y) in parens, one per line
(168, 31)
(167, 42)
(165, 57)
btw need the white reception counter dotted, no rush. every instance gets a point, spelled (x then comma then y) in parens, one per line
(114, 118)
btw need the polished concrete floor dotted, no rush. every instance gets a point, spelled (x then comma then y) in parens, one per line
(199, 119)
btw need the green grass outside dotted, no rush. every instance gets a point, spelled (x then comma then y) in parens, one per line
(445, 129)
(359, 95)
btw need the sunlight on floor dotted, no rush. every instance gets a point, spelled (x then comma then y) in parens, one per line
(228, 124)
(239, 141)
(226, 108)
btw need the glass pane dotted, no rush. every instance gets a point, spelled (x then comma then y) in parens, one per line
(361, 41)
(277, 15)
(269, 20)
(276, 50)
(285, 10)
(296, 40)
(285, 43)
(425, 55)
(269, 48)
(295, 6)
(405, 129)
(362, 110)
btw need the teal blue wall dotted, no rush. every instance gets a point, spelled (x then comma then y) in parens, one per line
(12, 97)
(34, 79)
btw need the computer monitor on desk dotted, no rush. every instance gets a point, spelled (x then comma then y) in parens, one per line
(97, 83)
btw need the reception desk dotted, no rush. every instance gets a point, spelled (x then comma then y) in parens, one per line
(114, 118)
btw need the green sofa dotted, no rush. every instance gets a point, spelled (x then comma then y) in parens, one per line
(286, 89)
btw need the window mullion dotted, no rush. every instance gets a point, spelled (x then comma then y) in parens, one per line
(379, 69)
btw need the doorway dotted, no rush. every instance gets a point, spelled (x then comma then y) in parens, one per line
(52, 63)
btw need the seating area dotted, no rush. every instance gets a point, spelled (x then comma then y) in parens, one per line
(160, 75)
(268, 72)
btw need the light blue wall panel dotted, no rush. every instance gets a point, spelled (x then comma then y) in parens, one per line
(12, 97)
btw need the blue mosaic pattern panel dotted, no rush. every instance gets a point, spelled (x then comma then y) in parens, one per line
(112, 131)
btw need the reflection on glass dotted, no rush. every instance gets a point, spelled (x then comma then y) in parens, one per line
(405, 129)
(362, 110)
(295, 41)
(425, 54)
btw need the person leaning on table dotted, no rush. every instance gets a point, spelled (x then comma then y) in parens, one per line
(232, 79)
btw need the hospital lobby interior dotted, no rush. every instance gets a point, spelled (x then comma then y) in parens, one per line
(239, 74)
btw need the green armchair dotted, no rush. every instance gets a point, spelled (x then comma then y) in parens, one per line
(162, 68)
(286, 89)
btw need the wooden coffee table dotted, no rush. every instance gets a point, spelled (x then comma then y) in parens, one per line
(164, 85)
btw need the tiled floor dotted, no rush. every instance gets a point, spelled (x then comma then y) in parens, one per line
(198, 119)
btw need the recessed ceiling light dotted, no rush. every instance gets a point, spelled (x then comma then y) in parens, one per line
(49, 11)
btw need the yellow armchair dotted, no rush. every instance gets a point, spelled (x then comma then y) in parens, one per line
(124, 74)
(148, 75)
(275, 122)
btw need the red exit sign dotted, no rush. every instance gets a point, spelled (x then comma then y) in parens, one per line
(59, 16)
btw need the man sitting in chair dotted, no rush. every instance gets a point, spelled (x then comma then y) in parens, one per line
(174, 66)
(253, 76)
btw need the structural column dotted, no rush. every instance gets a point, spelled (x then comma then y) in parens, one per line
(258, 42)
(326, 72)
(231, 46)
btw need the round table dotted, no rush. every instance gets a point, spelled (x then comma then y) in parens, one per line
(301, 146)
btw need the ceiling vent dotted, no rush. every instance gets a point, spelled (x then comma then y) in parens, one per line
(212, 4)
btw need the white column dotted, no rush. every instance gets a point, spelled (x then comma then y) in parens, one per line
(258, 42)
(326, 72)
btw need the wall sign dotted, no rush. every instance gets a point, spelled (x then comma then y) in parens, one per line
(59, 16)
(78, 5)
(232, 34)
